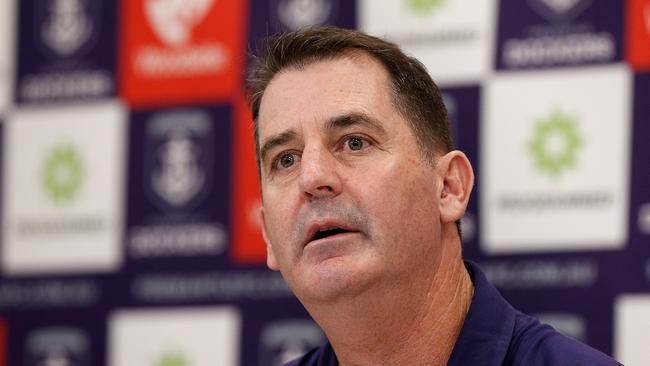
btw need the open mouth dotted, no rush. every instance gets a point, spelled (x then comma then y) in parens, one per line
(327, 232)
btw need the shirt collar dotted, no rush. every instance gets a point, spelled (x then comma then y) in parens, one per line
(488, 327)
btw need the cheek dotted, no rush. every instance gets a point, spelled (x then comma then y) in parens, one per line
(403, 202)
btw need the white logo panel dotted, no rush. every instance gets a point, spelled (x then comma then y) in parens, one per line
(7, 49)
(63, 197)
(197, 337)
(632, 326)
(555, 160)
(453, 38)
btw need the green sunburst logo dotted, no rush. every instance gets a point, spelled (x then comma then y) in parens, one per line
(555, 144)
(62, 173)
(172, 359)
(424, 6)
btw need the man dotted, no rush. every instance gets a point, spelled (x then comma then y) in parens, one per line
(362, 192)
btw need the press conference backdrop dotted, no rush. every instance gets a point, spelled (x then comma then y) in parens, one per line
(129, 187)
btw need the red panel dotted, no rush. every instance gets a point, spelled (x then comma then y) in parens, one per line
(248, 248)
(181, 51)
(638, 34)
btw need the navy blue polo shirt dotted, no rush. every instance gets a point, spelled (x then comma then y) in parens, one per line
(495, 334)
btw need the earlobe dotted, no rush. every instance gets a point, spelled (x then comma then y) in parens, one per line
(458, 180)
(271, 262)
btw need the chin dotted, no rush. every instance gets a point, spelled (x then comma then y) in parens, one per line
(332, 280)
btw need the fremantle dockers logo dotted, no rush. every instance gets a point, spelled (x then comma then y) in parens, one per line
(67, 27)
(295, 14)
(60, 346)
(173, 20)
(559, 10)
(286, 340)
(178, 159)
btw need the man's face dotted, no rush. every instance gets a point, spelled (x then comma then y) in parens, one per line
(348, 200)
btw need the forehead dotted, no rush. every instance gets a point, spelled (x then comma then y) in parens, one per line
(323, 89)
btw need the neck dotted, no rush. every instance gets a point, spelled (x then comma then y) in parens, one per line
(415, 322)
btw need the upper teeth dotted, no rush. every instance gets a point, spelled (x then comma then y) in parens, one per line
(327, 229)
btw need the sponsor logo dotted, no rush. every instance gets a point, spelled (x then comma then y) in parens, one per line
(173, 22)
(567, 38)
(57, 346)
(286, 340)
(557, 50)
(74, 84)
(644, 218)
(424, 6)
(547, 173)
(67, 26)
(171, 359)
(179, 158)
(62, 210)
(178, 177)
(175, 337)
(62, 173)
(555, 144)
(66, 33)
(452, 42)
(295, 14)
(559, 10)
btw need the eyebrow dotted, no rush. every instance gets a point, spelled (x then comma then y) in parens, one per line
(335, 123)
(277, 140)
(354, 118)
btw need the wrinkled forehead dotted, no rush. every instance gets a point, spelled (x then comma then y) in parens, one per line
(319, 90)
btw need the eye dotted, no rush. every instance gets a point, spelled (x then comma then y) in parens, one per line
(285, 161)
(355, 143)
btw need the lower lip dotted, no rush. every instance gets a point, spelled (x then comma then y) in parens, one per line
(331, 238)
(331, 247)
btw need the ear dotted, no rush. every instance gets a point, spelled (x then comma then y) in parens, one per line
(457, 182)
(271, 262)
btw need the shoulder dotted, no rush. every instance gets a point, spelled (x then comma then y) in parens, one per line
(321, 356)
(534, 343)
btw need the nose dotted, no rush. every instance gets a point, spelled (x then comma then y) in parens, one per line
(319, 175)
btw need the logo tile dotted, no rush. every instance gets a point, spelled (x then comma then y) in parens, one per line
(181, 50)
(66, 50)
(558, 33)
(632, 324)
(285, 340)
(63, 189)
(65, 346)
(7, 35)
(452, 38)
(638, 34)
(542, 161)
(180, 337)
(179, 193)
(286, 15)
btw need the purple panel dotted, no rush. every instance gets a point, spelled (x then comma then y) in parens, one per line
(275, 331)
(273, 16)
(544, 33)
(179, 188)
(638, 261)
(463, 111)
(66, 50)
(58, 338)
